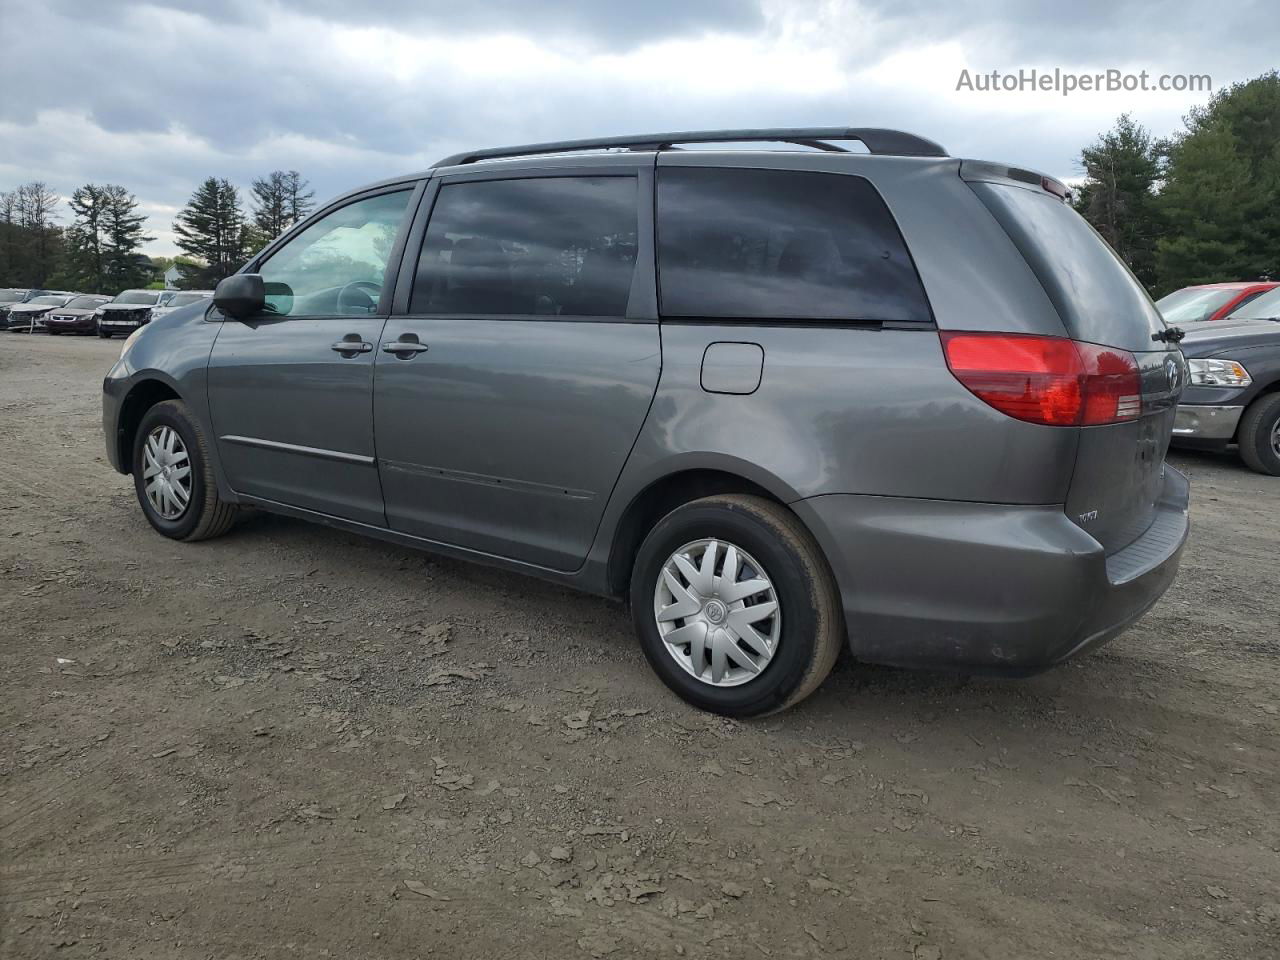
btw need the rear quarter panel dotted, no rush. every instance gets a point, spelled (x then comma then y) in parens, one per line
(849, 409)
(843, 410)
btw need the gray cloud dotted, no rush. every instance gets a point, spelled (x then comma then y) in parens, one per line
(1172, 35)
(613, 25)
(159, 95)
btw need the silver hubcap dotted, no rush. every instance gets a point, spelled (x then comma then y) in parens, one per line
(1275, 438)
(166, 473)
(717, 611)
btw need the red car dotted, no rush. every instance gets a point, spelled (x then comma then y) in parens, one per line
(1210, 301)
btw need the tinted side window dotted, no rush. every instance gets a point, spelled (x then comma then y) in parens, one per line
(336, 265)
(555, 246)
(779, 244)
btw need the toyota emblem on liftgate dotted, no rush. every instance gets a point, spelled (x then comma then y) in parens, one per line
(1174, 373)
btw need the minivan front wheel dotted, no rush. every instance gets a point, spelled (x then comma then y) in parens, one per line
(735, 607)
(173, 478)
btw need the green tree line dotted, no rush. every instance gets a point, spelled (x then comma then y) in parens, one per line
(100, 250)
(1200, 206)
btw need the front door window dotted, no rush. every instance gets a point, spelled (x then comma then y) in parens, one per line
(335, 267)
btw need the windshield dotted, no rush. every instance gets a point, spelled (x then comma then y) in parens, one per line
(138, 296)
(1193, 303)
(1265, 307)
(52, 301)
(182, 299)
(84, 303)
(11, 296)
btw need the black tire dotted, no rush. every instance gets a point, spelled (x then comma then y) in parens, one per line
(206, 514)
(52, 332)
(104, 334)
(812, 625)
(1257, 435)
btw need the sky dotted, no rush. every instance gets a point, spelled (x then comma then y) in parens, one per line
(159, 95)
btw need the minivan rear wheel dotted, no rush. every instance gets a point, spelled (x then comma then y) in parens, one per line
(1259, 435)
(735, 607)
(173, 476)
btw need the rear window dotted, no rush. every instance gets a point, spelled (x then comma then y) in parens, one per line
(781, 245)
(1095, 294)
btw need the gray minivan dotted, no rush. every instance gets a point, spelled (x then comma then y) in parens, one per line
(782, 400)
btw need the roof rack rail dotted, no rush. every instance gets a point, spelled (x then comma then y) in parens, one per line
(876, 139)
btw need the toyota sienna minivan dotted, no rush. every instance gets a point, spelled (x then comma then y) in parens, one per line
(780, 400)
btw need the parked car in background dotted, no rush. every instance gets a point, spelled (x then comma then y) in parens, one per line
(1234, 391)
(787, 402)
(30, 316)
(26, 297)
(7, 299)
(130, 310)
(1210, 301)
(180, 299)
(78, 315)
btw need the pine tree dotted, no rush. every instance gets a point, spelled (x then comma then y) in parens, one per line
(125, 265)
(281, 199)
(211, 229)
(84, 257)
(1251, 109)
(1122, 169)
(1208, 200)
(1222, 189)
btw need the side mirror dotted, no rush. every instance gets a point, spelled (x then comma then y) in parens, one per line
(240, 295)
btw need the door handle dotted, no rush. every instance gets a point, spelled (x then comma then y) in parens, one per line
(406, 348)
(351, 345)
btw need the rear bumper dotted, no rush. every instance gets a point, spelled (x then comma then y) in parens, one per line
(988, 587)
(1199, 423)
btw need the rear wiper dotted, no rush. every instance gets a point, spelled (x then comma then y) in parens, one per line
(1169, 335)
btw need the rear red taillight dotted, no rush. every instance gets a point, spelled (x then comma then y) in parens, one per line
(1049, 380)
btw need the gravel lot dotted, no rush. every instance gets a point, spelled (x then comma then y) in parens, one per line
(294, 742)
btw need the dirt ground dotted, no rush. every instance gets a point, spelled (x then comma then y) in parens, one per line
(294, 742)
